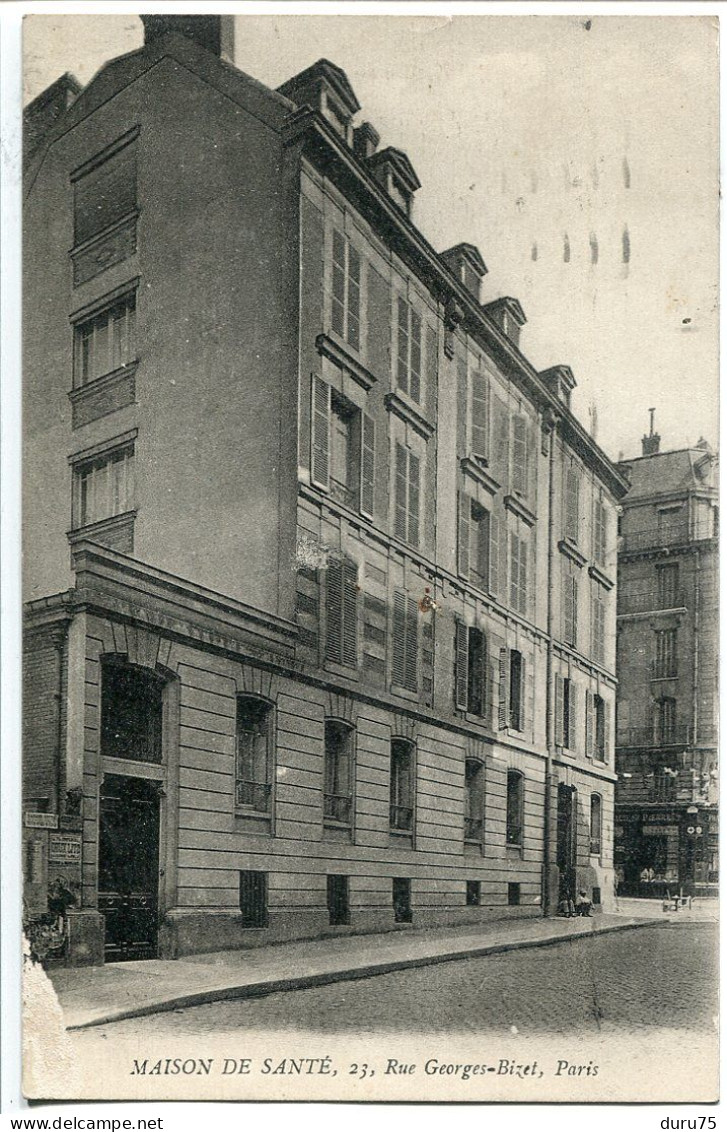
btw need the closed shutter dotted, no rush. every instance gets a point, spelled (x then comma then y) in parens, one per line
(368, 464)
(519, 454)
(574, 593)
(496, 578)
(523, 684)
(514, 570)
(573, 716)
(398, 663)
(572, 504)
(402, 345)
(354, 297)
(501, 440)
(415, 357)
(590, 724)
(411, 656)
(320, 433)
(482, 540)
(461, 666)
(607, 732)
(105, 195)
(480, 445)
(400, 492)
(334, 610)
(338, 285)
(414, 496)
(465, 518)
(349, 632)
(503, 674)
(558, 710)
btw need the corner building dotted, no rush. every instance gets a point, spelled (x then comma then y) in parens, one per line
(319, 570)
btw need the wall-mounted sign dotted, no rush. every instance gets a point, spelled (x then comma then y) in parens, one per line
(40, 821)
(64, 848)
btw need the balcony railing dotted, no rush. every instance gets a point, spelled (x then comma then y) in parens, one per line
(253, 796)
(337, 807)
(658, 537)
(401, 818)
(677, 736)
(473, 828)
(651, 601)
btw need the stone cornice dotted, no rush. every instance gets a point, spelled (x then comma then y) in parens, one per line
(600, 577)
(521, 509)
(408, 413)
(570, 550)
(340, 356)
(476, 471)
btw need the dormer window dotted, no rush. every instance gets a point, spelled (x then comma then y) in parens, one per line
(508, 315)
(325, 88)
(395, 173)
(467, 264)
(334, 113)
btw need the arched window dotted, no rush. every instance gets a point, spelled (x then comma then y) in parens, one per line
(401, 795)
(253, 761)
(514, 809)
(596, 824)
(131, 712)
(474, 800)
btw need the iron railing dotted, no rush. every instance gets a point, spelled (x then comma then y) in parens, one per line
(651, 601)
(658, 537)
(253, 796)
(650, 737)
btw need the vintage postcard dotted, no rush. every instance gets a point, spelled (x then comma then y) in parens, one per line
(370, 556)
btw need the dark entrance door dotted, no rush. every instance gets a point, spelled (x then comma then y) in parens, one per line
(566, 846)
(128, 874)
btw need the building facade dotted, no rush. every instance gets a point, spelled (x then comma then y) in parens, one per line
(667, 661)
(320, 605)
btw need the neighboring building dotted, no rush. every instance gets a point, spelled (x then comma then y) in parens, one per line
(319, 570)
(667, 648)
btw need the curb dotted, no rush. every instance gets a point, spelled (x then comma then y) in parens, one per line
(345, 974)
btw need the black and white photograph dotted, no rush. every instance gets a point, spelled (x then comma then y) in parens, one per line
(370, 590)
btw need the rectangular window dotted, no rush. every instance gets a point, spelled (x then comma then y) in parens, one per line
(599, 533)
(338, 773)
(480, 416)
(664, 788)
(666, 721)
(474, 542)
(345, 430)
(131, 713)
(473, 893)
(342, 612)
(572, 504)
(104, 486)
(570, 609)
(599, 711)
(513, 893)
(405, 644)
(598, 629)
(401, 786)
(569, 713)
(401, 898)
(406, 495)
(105, 342)
(474, 800)
(518, 573)
(105, 194)
(516, 690)
(596, 824)
(337, 900)
(254, 899)
(520, 454)
(470, 669)
(514, 808)
(667, 580)
(253, 761)
(665, 664)
(346, 290)
(409, 350)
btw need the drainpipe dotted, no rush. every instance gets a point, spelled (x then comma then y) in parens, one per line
(695, 671)
(58, 638)
(549, 422)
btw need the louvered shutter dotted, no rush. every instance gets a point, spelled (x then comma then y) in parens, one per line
(400, 492)
(338, 284)
(465, 516)
(413, 503)
(354, 297)
(574, 593)
(461, 682)
(412, 645)
(334, 610)
(320, 433)
(496, 580)
(514, 570)
(558, 710)
(501, 440)
(607, 732)
(590, 724)
(402, 345)
(502, 709)
(519, 454)
(415, 357)
(482, 536)
(398, 662)
(368, 464)
(572, 504)
(105, 195)
(573, 716)
(480, 445)
(349, 634)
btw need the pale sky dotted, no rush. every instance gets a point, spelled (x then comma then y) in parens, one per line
(560, 146)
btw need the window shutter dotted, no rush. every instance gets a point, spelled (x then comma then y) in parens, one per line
(480, 445)
(483, 546)
(514, 569)
(402, 345)
(400, 492)
(399, 640)
(415, 360)
(498, 545)
(501, 441)
(574, 598)
(590, 724)
(368, 464)
(338, 284)
(413, 508)
(573, 716)
(334, 609)
(461, 666)
(519, 454)
(523, 682)
(411, 656)
(502, 691)
(572, 504)
(320, 432)
(349, 641)
(465, 514)
(607, 732)
(558, 710)
(354, 296)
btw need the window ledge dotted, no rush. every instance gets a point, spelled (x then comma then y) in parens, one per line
(521, 509)
(472, 466)
(78, 249)
(339, 354)
(405, 693)
(407, 412)
(349, 672)
(106, 379)
(600, 577)
(569, 548)
(77, 534)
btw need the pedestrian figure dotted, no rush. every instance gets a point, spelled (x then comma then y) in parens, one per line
(583, 904)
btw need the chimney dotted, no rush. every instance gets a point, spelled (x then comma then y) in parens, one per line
(214, 33)
(44, 111)
(650, 443)
(365, 140)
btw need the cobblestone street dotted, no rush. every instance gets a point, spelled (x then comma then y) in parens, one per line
(663, 977)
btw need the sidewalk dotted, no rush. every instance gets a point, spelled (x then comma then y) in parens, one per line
(92, 996)
(705, 909)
